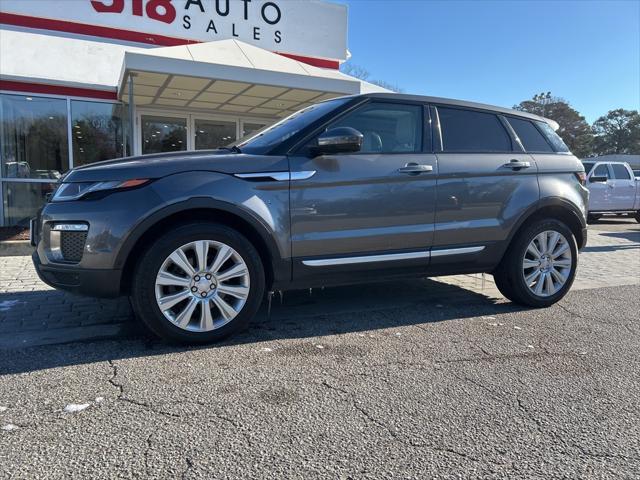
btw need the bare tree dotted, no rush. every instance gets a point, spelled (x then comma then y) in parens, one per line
(362, 73)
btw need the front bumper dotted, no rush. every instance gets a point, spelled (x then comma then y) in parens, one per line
(95, 283)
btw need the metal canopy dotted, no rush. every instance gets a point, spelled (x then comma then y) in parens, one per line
(228, 76)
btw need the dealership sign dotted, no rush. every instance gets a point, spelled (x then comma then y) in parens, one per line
(309, 28)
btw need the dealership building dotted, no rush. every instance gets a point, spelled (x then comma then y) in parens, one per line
(88, 80)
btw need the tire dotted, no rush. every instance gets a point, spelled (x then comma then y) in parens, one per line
(231, 291)
(520, 262)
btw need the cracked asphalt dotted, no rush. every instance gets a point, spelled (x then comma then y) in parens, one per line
(422, 380)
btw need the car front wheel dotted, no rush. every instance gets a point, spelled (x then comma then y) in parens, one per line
(198, 283)
(540, 265)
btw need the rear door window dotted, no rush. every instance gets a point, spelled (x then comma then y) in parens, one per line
(530, 137)
(620, 172)
(472, 131)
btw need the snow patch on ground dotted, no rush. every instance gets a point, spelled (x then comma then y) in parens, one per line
(3, 409)
(7, 305)
(266, 349)
(9, 427)
(75, 408)
(99, 399)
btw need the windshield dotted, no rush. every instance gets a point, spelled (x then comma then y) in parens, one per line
(588, 166)
(265, 140)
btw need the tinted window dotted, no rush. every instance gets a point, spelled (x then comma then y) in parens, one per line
(601, 171)
(553, 137)
(620, 171)
(531, 138)
(387, 128)
(470, 131)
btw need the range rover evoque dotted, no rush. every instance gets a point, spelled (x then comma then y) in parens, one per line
(355, 189)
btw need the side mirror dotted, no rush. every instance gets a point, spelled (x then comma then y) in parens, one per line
(338, 140)
(598, 179)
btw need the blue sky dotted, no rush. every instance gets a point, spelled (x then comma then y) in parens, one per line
(503, 52)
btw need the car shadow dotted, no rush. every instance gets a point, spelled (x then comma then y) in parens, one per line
(633, 234)
(297, 315)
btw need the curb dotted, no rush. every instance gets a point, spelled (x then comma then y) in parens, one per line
(15, 248)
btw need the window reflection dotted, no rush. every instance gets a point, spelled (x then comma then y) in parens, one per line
(34, 137)
(251, 128)
(212, 134)
(98, 130)
(22, 200)
(163, 134)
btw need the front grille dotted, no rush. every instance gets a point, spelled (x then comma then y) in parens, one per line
(72, 245)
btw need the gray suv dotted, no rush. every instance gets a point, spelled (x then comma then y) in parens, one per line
(355, 189)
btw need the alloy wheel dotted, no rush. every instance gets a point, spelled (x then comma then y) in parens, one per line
(547, 263)
(202, 285)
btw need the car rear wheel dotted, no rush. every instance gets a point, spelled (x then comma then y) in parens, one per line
(198, 283)
(540, 265)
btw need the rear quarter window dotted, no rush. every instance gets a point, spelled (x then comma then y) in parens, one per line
(553, 137)
(472, 131)
(530, 137)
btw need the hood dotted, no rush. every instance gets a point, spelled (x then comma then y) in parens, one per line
(164, 164)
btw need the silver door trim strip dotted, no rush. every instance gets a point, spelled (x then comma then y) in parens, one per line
(326, 262)
(278, 176)
(302, 175)
(365, 259)
(455, 251)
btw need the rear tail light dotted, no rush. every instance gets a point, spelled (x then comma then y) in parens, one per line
(582, 177)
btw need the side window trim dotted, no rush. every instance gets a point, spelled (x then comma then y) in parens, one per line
(436, 131)
(516, 143)
(470, 109)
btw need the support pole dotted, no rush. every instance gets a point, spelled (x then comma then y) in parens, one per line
(132, 116)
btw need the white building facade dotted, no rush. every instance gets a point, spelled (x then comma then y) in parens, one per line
(88, 80)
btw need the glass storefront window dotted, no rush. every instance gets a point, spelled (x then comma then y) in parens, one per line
(249, 128)
(33, 134)
(163, 134)
(211, 134)
(99, 131)
(21, 200)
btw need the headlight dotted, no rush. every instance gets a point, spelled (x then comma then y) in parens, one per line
(75, 191)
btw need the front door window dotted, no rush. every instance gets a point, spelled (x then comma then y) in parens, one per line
(163, 134)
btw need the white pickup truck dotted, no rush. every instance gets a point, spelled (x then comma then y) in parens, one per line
(613, 189)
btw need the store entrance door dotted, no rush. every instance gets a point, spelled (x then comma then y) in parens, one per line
(174, 131)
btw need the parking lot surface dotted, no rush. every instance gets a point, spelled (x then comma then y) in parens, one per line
(417, 379)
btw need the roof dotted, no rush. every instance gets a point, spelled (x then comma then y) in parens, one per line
(462, 103)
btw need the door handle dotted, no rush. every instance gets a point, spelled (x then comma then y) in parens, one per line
(517, 164)
(415, 169)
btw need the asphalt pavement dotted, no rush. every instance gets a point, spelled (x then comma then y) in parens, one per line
(421, 379)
